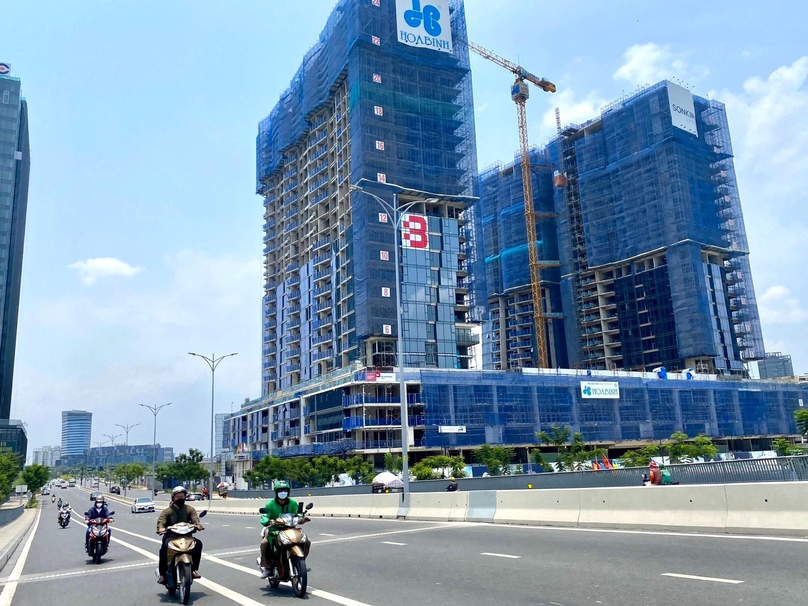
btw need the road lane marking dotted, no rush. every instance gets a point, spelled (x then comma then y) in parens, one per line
(674, 534)
(697, 578)
(325, 534)
(392, 543)
(10, 587)
(229, 593)
(49, 577)
(501, 555)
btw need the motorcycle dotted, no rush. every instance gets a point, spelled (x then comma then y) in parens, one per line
(292, 549)
(99, 537)
(64, 517)
(179, 571)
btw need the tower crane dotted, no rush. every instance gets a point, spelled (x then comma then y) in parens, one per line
(520, 94)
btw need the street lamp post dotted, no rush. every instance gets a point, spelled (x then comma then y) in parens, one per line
(212, 362)
(154, 410)
(100, 446)
(111, 443)
(127, 429)
(397, 214)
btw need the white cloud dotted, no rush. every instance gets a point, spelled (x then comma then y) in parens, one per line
(650, 63)
(573, 110)
(778, 306)
(103, 267)
(130, 347)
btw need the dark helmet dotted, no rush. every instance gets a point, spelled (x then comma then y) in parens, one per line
(282, 486)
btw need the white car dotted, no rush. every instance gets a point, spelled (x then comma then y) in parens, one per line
(143, 504)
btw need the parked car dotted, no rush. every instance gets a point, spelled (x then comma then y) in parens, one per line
(143, 504)
(115, 489)
(95, 494)
(194, 496)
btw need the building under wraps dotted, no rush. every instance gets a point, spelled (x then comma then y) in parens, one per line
(638, 224)
(641, 228)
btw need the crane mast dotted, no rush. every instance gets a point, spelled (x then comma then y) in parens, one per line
(520, 93)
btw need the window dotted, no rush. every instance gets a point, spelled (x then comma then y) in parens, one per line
(6, 96)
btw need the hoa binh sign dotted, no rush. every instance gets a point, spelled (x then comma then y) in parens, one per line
(424, 24)
(609, 390)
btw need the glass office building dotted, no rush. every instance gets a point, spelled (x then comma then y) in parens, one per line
(15, 164)
(77, 428)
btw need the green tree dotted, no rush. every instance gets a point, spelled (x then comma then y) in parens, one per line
(359, 468)
(801, 417)
(393, 463)
(579, 455)
(327, 468)
(677, 447)
(9, 470)
(433, 468)
(784, 448)
(538, 459)
(495, 458)
(558, 437)
(640, 457)
(35, 476)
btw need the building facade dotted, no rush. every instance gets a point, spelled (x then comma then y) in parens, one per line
(110, 456)
(510, 339)
(77, 429)
(653, 249)
(49, 456)
(367, 108)
(775, 365)
(14, 439)
(15, 164)
(219, 443)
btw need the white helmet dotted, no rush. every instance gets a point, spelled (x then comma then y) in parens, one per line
(178, 490)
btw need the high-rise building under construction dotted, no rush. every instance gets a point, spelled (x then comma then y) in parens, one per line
(379, 115)
(649, 236)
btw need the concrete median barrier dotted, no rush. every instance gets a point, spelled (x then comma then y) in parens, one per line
(385, 505)
(482, 506)
(440, 507)
(655, 507)
(544, 507)
(767, 508)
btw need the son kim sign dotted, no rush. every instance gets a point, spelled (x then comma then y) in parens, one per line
(609, 390)
(424, 24)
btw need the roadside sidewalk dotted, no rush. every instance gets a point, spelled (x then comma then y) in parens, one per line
(12, 534)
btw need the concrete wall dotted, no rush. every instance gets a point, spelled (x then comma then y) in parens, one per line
(8, 514)
(766, 508)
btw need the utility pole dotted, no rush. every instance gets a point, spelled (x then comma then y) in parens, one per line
(154, 410)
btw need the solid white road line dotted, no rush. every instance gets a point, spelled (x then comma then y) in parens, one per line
(10, 587)
(392, 543)
(338, 599)
(658, 533)
(501, 555)
(325, 534)
(697, 578)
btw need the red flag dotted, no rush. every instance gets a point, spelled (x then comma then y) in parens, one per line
(606, 464)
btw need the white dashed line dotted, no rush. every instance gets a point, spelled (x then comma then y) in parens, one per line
(392, 543)
(501, 555)
(697, 578)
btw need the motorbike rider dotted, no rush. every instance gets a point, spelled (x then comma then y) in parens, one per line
(63, 507)
(98, 510)
(53, 497)
(452, 487)
(59, 503)
(281, 504)
(175, 513)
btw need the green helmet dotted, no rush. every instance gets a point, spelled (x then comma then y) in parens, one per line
(282, 485)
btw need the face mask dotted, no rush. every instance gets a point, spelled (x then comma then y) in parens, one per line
(180, 502)
(282, 495)
(98, 505)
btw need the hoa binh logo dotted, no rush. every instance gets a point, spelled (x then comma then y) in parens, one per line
(587, 391)
(423, 23)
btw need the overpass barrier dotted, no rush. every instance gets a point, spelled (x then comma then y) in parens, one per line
(760, 508)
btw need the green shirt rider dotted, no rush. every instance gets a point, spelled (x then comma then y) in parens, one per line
(274, 508)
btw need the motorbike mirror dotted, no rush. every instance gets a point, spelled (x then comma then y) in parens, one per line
(262, 510)
(203, 514)
(309, 506)
(299, 508)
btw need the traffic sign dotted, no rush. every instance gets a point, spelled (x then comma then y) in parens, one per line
(451, 429)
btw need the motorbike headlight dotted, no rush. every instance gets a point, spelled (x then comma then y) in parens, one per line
(304, 538)
(284, 540)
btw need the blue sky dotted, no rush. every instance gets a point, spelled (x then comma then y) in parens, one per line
(144, 233)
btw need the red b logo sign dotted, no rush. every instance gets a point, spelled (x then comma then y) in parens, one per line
(414, 231)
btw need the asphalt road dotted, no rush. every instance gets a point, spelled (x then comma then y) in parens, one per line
(392, 563)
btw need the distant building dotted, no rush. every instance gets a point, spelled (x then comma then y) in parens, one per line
(77, 427)
(49, 456)
(15, 163)
(219, 443)
(110, 456)
(775, 365)
(14, 439)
